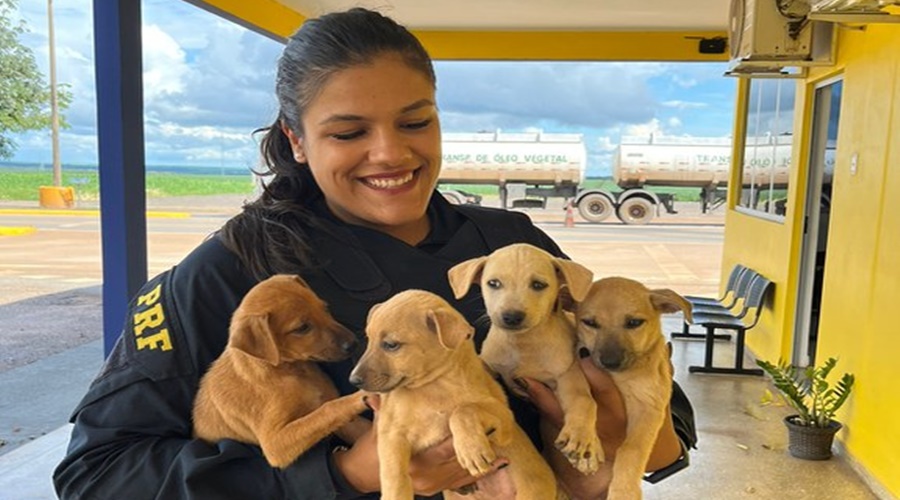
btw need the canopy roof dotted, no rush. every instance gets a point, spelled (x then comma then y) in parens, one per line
(599, 30)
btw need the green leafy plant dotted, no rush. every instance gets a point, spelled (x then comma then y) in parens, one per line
(808, 391)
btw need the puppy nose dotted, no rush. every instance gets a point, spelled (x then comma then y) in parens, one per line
(611, 363)
(612, 358)
(349, 345)
(513, 318)
(356, 380)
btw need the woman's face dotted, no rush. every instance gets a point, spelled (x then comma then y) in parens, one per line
(373, 143)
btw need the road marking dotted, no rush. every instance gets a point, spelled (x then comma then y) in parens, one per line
(16, 231)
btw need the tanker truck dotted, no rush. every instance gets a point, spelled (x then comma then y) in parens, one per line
(531, 167)
(701, 162)
(527, 167)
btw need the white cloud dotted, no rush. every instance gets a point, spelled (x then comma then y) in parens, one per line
(569, 94)
(164, 64)
(677, 104)
(684, 81)
(606, 143)
(644, 129)
(204, 133)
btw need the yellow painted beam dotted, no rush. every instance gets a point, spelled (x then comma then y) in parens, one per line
(568, 45)
(267, 17)
(273, 19)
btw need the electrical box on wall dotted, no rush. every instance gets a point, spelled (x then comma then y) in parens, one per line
(767, 36)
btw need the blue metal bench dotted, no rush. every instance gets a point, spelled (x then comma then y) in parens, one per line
(735, 289)
(746, 319)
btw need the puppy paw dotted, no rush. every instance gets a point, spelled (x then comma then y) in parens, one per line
(581, 447)
(500, 435)
(474, 453)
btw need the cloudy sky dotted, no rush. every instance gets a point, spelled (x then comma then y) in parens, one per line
(208, 85)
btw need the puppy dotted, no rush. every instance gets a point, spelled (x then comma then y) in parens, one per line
(422, 360)
(266, 388)
(619, 322)
(531, 335)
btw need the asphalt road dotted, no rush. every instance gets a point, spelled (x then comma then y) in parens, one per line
(50, 279)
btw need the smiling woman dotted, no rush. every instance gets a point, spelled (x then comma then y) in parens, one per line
(352, 157)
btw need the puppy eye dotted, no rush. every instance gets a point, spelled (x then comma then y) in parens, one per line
(632, 323)
(538, 285)
(590, 323)
(389, 345)
(495, 284)
(302, 329)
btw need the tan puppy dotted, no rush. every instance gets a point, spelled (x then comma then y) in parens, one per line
(422, 359)
(265, 388)
(532, 336)
(619, 322)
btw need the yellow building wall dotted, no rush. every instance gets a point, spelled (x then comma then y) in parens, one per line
(859, 318)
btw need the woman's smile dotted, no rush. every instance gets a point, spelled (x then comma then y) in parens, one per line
(389, 182)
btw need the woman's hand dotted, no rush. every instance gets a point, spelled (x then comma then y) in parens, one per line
(611, 417)
(611, 428)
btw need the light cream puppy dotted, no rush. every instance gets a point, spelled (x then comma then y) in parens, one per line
(619, 322)
(422, 360)
(266, 388)
(531, 334)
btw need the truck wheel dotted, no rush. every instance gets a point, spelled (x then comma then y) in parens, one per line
(595, 207)
(635, 211)
(453, 197)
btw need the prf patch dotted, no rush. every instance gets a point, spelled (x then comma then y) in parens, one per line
(149, 318)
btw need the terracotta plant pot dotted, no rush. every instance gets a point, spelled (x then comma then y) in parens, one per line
(810, 443)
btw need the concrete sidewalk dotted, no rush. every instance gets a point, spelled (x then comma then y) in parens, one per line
(37, 401)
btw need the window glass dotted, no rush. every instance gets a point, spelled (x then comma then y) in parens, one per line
(767, 146)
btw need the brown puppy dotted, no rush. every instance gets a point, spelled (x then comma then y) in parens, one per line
(422, 359)
(619, 322)
(532, 336)
(265, 388)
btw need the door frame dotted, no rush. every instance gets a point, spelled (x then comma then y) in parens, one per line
(810, 240)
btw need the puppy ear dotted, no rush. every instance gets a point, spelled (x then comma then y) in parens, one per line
(253, 335)
(464, 274)
(565, 301)
(577, 277)
(450, 327)
(667, 301)
(371, 312)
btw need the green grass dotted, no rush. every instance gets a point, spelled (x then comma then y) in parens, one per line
(23, 185)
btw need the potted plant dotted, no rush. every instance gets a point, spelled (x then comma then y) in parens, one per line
(810, 431)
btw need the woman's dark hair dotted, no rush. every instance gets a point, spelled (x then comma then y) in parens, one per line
(269, 235)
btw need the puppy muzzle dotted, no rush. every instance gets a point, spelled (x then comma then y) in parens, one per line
(611, 357)
(512, 319)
